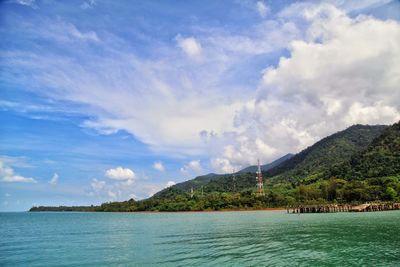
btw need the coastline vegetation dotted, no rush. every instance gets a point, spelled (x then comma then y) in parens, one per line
(359, 164)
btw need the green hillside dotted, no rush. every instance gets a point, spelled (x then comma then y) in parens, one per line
(314, 161)
(361, 163)
(381, 158)
(221, 182)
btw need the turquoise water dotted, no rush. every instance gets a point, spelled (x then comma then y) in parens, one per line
(262, 238)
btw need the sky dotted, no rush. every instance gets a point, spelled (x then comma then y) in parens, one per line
(110, 100)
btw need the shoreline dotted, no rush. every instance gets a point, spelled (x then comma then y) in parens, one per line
(201, 211)
(157, 211)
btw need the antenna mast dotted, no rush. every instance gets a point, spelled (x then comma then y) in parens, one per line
(259, 179)
(234, 180)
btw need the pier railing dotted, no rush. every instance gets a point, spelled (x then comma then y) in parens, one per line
(327, 208)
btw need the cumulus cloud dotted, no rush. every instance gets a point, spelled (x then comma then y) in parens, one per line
(8, 175)
(193, 166)
(122, 91)
(338, 70)
(190, 46)
(159, 166)
(123, 188)
(119, 188)
(120, 174)
(54, 179)
(342, 73)
(222, 165)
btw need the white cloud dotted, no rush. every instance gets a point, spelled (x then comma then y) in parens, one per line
(120, 174)
(158, 165)
(190, 46)
(7, 195)
(170, 183)
(222, 165)
(120, 190)
(54, 179)
(344, 72)
(338, 70)
(371, 114)
(262, 9)
(122, 91)
(193, 166)
(7, 175)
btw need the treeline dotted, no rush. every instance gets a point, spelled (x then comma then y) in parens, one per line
(359, 164)
(333, 190)
(326, 191)
(64, 208)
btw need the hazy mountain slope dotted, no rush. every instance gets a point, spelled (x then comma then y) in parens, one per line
(267, 167)
(243, 180)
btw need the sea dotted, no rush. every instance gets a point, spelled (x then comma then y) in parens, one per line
(245, 238)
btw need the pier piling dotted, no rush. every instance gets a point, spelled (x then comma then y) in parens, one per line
(330, 208)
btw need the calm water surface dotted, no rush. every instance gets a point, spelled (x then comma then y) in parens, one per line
(262, 238)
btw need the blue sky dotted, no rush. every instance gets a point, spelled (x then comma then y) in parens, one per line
(108, 100)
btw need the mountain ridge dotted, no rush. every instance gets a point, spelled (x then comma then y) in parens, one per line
(199, 181)
(358, 164)
(266, 167)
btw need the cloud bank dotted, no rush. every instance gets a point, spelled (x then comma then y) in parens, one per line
(211, 93)
(344, 72)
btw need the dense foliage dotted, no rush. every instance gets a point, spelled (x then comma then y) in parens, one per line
(359, 164)
(380, 158)
(336, 149)
(64, 208)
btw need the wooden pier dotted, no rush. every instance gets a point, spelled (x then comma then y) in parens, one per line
(329, 208)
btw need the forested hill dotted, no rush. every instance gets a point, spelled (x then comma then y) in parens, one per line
(201, 181)
(361, 163)
(310, 165)
(335, 149)
(381, 158)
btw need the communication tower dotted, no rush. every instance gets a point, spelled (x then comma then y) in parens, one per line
(234, 180)
(259, 179)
